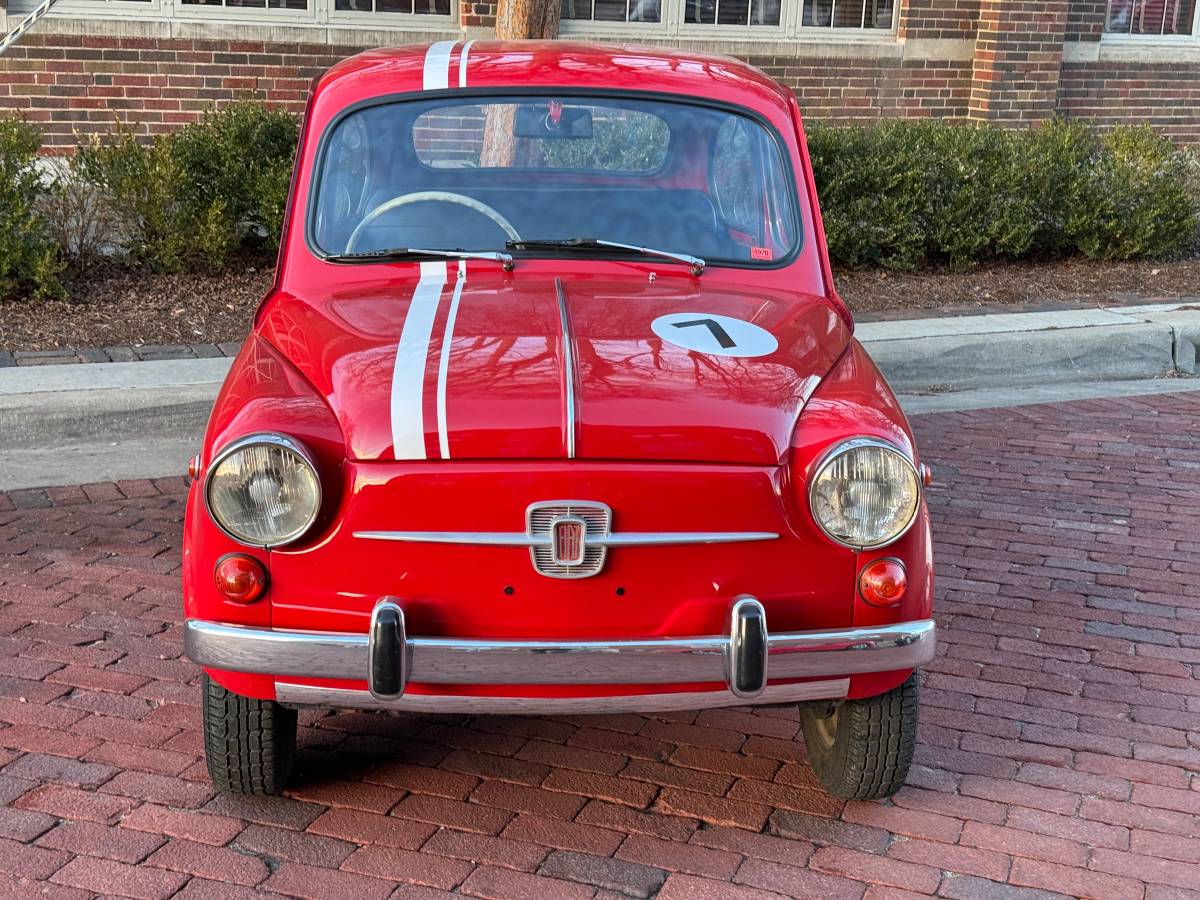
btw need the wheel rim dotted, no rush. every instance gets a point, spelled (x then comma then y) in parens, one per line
(827, 728)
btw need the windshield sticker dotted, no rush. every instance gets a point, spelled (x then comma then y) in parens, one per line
(761, 253)
(714, 335)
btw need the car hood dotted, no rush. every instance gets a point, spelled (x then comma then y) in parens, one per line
(477, 367)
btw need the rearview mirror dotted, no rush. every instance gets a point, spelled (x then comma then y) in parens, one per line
(553, 121)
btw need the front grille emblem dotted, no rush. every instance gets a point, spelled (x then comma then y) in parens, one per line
(568, 537)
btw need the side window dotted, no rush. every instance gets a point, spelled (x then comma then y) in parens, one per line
(734, 175)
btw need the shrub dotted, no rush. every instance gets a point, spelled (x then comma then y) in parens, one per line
(976, 203)
(1058, 159)
(77, 215)
(899, 193)
(29, 259)
(189, 199)
(870, 183)
(1137, 201)
(237, 164)
(142, 187)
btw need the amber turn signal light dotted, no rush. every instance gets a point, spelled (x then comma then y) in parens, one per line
(242, 579)
(883, 582)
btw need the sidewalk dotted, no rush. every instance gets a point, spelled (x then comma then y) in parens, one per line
(67, 424)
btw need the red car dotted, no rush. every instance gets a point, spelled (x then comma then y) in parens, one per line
(553, 409)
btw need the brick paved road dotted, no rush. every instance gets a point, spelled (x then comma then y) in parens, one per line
(1060, 738)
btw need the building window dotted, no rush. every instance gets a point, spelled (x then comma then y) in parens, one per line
(1157, 18)
(612, 10)
(768, 17)
(406, 7)
(849, 13)
(732, 12)
(249, 4)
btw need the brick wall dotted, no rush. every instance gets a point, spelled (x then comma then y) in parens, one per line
(75, 85)
(1165, 95)
(1008, 61)
(855, 89)
(1018, 57)
(939, 19)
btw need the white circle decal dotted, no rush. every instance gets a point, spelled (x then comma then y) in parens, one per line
(713, 334)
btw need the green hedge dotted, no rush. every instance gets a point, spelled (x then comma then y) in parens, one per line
(902, 194)
(30, 262)
(899, 194)
(189, 199)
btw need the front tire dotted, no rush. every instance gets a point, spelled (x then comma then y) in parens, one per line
(862, 749)
(250, 745)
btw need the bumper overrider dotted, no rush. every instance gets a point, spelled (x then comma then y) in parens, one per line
(388, 658)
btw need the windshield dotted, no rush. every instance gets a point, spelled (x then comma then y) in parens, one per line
(480, 174)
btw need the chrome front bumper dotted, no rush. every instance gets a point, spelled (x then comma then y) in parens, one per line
(389, 659)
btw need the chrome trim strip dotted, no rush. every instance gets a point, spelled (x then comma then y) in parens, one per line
(307, 695)
(801, 654)
(568, 367)
(521, 539)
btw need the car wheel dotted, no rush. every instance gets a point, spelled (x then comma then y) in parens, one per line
(250, 745)
(861, 749)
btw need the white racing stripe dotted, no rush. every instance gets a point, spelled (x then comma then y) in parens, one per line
(437, 66)
(462, 64)
(444, 362)
(412, 351)
(412, 354)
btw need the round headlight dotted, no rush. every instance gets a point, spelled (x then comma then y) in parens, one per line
(865, 493)
(263, 490)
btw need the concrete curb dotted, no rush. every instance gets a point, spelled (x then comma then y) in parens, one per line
(67, 424)
(970, 352)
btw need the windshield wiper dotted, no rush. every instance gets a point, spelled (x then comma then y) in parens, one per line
(579, 243)
(394, 253)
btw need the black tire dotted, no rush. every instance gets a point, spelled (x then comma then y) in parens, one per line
(250, 745)
(862, 750)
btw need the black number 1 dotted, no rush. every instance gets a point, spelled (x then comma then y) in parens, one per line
(714, 327)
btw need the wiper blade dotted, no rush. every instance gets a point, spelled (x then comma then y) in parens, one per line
(694, 262)
(392, 253)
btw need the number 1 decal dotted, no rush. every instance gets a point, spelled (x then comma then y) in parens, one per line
(714, 334)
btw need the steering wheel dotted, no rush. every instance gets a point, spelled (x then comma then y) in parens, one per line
(425, 196)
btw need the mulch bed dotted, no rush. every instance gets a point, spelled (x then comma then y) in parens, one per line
(1029, 286)
(120, 308)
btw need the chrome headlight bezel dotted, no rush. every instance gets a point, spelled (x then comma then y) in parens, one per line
(270, 439)
(846, 446)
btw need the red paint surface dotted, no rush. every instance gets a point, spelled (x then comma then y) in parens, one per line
(672, 440)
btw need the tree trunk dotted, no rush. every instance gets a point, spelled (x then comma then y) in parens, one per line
(515, 20)
(536, 19)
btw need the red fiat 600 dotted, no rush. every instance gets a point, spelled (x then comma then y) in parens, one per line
(553, 409)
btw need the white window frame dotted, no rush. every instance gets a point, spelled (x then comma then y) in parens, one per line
(407, 21)
(1163, 40)
(673, 27)
(116, 9)
(319, 13)
(195, 12)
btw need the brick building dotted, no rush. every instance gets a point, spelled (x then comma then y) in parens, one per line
(160, 62)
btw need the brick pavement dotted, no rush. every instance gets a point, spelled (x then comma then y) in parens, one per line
(1059, 746)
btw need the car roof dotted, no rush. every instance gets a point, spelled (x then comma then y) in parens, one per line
(541, 64)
